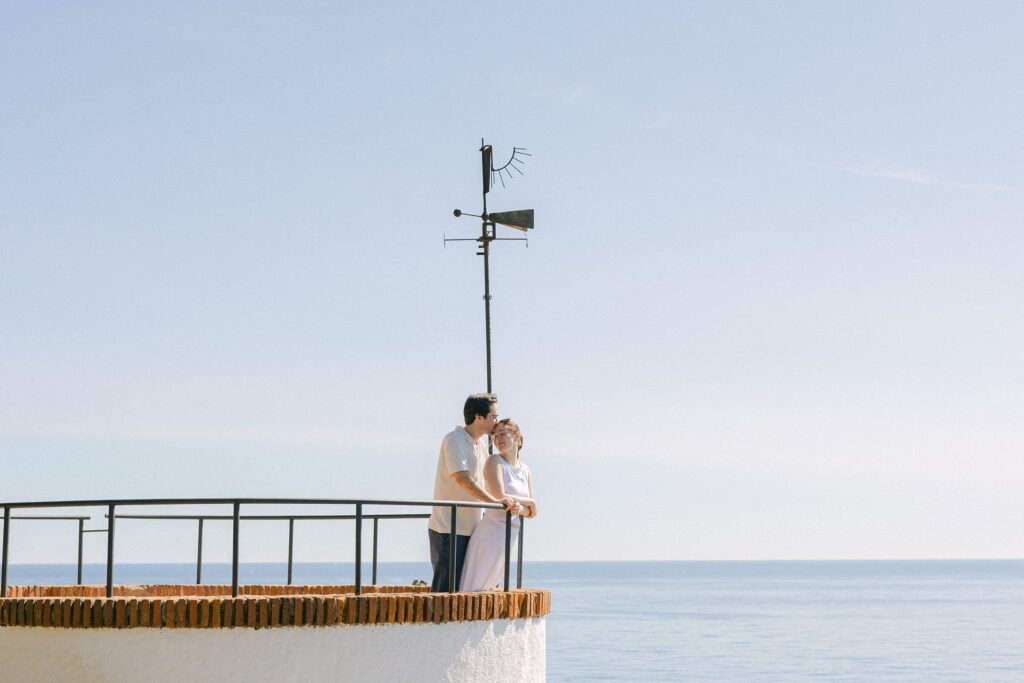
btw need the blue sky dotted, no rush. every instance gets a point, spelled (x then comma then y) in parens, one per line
(771, 308)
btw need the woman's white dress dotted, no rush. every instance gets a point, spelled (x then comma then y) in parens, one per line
(485, 556)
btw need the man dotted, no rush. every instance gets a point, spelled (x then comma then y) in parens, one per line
(460, 477)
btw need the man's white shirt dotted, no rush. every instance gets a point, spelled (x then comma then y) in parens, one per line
(459, 453)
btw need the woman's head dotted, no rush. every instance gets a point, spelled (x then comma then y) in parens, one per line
(506, 431)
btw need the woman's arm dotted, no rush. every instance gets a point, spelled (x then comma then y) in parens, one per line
(492, 476)
(530, 504)
(496, 485)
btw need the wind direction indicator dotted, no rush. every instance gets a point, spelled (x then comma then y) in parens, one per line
(519, 220)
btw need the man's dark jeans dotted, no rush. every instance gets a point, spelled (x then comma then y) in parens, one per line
(439, 556)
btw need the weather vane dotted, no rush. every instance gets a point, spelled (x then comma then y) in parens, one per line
(520, 220)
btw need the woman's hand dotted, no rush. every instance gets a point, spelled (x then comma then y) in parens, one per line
(511, 505)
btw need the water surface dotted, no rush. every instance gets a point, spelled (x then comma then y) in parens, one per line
(727, 621)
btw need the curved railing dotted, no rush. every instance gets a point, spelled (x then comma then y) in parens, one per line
(237, 518)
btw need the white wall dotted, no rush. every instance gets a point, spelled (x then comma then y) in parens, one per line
(500, 650)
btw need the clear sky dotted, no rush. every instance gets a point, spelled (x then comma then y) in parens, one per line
(771, 308)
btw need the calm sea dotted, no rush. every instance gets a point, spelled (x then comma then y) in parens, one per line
(730, 621)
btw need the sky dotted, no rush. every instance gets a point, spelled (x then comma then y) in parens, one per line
(770, 309)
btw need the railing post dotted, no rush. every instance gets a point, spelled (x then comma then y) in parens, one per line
(81, 535)
(453, 550)
(199, 554)
(508, 545)
(291, 538)
(359, 548)
(234, 551)
(375, 520)
(3, 560)
(110, 551)
(519, 561)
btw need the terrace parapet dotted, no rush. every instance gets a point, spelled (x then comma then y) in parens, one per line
(209, 606)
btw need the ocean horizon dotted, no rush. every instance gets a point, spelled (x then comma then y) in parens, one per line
(731, 620)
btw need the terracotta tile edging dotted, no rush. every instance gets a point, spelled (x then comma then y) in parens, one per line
(258, 607)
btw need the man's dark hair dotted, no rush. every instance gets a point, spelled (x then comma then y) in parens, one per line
(478, 404)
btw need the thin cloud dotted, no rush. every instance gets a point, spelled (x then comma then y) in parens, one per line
(295, 435)
(542, 87)
(569, 94)
(661, 120)
(907, 175)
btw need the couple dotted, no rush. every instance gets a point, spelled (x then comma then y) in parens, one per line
(465, 471)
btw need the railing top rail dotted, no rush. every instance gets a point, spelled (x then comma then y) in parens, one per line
(68, 517)
(248, 501)
(270, 517)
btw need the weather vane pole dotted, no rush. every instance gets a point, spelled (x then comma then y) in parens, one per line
(520, 220)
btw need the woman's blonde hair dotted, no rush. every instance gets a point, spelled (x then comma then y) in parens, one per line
(512, 427)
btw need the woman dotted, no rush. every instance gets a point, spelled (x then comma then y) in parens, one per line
(506, 475)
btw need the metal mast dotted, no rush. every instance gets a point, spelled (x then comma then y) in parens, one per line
(520, 220)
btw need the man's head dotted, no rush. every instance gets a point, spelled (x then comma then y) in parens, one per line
(481, 412)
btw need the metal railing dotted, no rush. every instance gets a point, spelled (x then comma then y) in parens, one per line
(39, 518)
(236, 517)
(291, 532)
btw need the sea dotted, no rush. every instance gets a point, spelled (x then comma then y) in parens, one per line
(928, 620)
